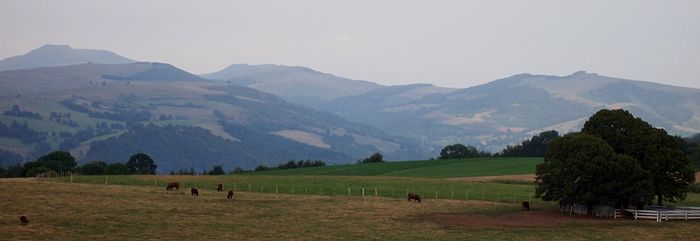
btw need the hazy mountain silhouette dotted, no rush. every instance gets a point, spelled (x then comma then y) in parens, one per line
(60, 55)
(293, 83)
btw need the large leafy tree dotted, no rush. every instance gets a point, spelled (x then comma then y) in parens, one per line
(582, 168)
(654, 149)
(140, 163)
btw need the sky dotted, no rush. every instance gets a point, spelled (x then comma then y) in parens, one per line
(446, 43)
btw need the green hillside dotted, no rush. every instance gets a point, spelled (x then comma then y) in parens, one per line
(430, 168)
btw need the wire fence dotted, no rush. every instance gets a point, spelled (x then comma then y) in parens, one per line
(347, 189)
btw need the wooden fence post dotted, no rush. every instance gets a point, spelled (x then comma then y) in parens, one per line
(363, 192)
(250, 187)
(436, 197)
(348, 191)
(276, 189)
(453, 194)
(234, 187)
(375, 191)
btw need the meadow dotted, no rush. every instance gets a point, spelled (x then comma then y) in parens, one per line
(313, 204)
(79, 211)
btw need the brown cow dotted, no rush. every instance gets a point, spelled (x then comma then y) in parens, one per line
(173, 185)
(230, 195)
(526, 205)
(414, 197)
(219, 187)
(23, 220)
(194, 192)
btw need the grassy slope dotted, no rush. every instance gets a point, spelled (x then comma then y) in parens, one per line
(431, 168)
(62, 211)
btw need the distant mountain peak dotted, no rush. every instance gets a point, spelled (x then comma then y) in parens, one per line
(51, 55)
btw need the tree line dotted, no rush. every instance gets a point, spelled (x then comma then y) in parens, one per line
(62, 161)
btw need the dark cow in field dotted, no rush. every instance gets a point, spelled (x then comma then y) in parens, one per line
(23, 220)
(413, 197)
(194, 192)
(230, 195)
(526, 205)
(173, 185)
(219, 187)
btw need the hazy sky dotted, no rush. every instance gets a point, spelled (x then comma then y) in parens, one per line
(447, 43)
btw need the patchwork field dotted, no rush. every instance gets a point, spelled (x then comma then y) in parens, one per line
(73, 211)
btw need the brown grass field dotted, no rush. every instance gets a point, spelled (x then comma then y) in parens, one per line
(65, 211)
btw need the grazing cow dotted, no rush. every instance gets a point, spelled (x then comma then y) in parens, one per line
(414, 197)
(526, 205)
(230, 195)
(173, 185)
(194, 192)
(220, 187)
(23, 220)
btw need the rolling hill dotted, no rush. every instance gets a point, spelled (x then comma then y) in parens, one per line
(508, 110)
(61, 55)
(108, 112)
(296, 84)
(489, 116)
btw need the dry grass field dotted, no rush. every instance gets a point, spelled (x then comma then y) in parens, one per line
(65, 211)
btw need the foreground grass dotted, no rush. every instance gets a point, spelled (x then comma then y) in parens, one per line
(430, 168)
(64, 211)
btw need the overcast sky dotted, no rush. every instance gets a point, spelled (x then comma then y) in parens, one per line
(447, 43)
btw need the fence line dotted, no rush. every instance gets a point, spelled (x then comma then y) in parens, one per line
(425, 193)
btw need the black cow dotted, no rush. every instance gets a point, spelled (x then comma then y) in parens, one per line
(23, 220)
(414, 197)
(230, 195)
(194, 192)
(526, 205)
(220, 187)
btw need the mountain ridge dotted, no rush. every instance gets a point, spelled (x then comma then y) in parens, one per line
(60, 55)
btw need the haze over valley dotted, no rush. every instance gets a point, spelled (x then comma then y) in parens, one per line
(102, 106)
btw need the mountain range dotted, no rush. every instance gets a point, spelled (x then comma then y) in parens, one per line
(246, 115)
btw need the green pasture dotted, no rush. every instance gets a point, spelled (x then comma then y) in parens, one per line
(469, 167)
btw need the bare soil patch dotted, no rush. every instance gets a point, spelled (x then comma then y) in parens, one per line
(524, 219)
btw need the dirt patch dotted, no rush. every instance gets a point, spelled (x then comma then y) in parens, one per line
(524, 219)
(520, 178)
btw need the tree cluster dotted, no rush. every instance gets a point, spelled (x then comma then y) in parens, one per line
(374, 158)
(534, 147)
(62, 161)
(617, 159)
(287, 165)
(461, 151)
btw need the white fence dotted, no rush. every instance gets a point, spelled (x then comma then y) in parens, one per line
(662, 215)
